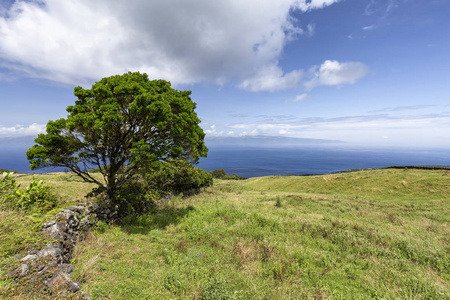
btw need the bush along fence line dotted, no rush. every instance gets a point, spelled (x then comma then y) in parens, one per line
(49, 267)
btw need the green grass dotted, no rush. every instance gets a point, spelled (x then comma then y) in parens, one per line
(381, 234)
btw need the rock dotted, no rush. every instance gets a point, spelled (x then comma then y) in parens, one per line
(60, 278)
(21, 271)
(77, 209)
(40, 267)
(17, 256)
(52, 249)
(74, 286)
(54, 229)
(31, 257)
(65, 268)
(57, 281)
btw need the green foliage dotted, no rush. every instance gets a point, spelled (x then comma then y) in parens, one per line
(178, 176)
(221, 174)
(37, 196)
(135, 197)
(165, 179)
(121, 124)
(8, 188)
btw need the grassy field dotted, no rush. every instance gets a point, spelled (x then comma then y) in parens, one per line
(382, 234)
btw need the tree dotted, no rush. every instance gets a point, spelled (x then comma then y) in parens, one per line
(122, 123)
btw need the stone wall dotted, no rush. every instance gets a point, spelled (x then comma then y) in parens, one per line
(50, 266)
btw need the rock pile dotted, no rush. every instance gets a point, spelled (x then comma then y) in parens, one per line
(50, 267)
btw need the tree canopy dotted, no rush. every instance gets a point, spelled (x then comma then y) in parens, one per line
(120, 124)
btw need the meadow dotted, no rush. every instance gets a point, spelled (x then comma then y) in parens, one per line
(382, 234)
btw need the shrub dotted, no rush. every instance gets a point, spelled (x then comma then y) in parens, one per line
(8, 189)
(221, 174)
(178, 176)
(167, 178)
(37, 196)
(136, 197)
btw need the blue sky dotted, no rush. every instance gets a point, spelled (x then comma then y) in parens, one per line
(370, 73)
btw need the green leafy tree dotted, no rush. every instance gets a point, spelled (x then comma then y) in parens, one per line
(122, 123)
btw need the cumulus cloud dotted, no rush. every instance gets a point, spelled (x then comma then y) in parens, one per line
(213, 131)
(21, 130)
(332, 72)
(273, 79)
(182, 41)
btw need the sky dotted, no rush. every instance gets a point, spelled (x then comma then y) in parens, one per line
(371, 73)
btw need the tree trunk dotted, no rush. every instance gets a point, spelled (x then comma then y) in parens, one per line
(110, 203)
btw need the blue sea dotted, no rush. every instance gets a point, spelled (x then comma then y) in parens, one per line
(258, 161)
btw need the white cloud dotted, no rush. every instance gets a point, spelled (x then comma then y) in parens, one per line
(332, 72)
(369, 27)
(402, 131)
(273, 79)
(182, 41)
(213, 131)
(318, 3)
(311, 28)
(298, 98)
(21, 130)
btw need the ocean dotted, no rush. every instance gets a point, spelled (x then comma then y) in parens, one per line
(264, 161)
(256, 162)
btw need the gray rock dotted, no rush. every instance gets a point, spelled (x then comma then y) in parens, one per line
(52, 249)
(40, 267)
(61, 277)
(48, 224)
(65, 268)
(21, 271)
(31, 257)
(74, 286)
(57, 281)
(54, 229)
(17, 256)
(77, 208)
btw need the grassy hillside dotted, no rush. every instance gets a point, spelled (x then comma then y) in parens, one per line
(381, 234)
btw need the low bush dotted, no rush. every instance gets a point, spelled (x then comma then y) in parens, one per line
(221, 174)
(178, 176)
(168, 178)
(37, 196)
